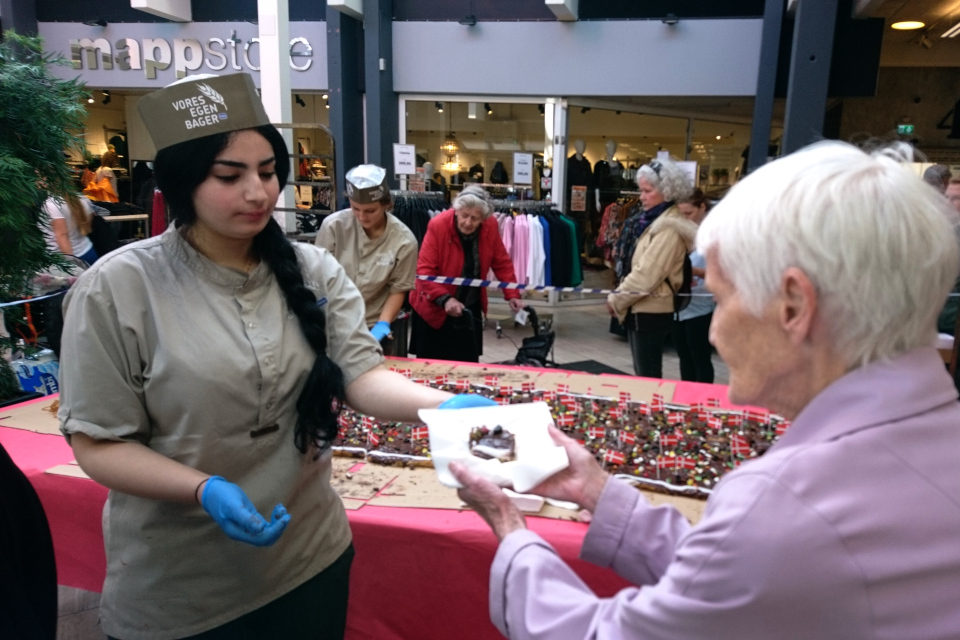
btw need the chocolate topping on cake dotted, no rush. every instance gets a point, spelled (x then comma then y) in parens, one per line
(492, 443)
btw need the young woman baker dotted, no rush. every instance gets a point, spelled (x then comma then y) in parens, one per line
(202, 374)
(377, 251)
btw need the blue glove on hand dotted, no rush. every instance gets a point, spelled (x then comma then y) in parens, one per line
(230, 507)
(467, 401)
(380, 330)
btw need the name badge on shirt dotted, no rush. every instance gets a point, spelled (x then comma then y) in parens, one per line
(385, 260)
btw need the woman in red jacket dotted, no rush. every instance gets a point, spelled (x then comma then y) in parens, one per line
(460, 242)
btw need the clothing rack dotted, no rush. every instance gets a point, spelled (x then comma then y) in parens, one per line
(498, 186)
(518, 188)
(415, 209)
(522, 204)
(407, 193)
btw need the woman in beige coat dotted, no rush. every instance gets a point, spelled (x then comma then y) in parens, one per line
(646, 306)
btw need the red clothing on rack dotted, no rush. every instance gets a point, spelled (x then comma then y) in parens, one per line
(158, 217)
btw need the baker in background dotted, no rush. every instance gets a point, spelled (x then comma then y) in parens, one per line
(829, 267)
(377, 251)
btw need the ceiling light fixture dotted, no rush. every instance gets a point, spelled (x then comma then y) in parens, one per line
(98, 22)
(670, 19)
(952, 32)
(468, 21)
(325, 96)
(907, 25)
(300, 100)
(541, 109)
(718, 137)
(439, 106)
(584, 109)
(106, 97)
(90, 100)
(450, 145)
(486, 105)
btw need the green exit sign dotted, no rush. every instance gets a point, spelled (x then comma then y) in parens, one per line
(904, 129)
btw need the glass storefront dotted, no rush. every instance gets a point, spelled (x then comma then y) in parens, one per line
(475, 141)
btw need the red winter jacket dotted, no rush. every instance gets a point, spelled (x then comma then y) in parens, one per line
(442, 255)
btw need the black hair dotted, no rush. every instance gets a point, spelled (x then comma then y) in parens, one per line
(179, 170)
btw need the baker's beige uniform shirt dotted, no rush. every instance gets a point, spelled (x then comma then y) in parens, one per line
(204, 364)
(378, 267)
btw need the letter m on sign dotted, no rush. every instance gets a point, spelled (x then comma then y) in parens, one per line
(92, 48)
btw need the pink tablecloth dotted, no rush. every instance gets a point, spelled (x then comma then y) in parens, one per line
(418, 572)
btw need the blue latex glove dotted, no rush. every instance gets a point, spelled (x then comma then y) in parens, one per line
(230, 507)
(467, 401)
(380, 330)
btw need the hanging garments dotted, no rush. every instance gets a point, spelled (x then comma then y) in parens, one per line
(101, 191)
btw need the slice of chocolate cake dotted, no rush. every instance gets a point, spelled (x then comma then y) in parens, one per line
(489, 443)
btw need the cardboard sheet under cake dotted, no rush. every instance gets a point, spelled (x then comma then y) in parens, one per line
(609, 386)
(360, 483)
(39, 416)
(419, 488)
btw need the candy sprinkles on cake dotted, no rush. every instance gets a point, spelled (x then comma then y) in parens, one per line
(666, 447)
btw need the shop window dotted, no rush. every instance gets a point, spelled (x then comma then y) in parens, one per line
(614, 145)
(475, 142)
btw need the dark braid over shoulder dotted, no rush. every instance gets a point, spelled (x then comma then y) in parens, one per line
(323, 395)
(179, 170)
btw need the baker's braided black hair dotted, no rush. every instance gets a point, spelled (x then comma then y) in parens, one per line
(179, 170)
(323, 394)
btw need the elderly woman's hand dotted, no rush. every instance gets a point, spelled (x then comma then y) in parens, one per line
(582, 482)
(453, 307)
(488, 500)
(516, 304)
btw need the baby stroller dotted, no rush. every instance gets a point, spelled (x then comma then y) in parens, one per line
(534, 351)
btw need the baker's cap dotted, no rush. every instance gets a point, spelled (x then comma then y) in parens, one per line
(367, 183)
(200, 106)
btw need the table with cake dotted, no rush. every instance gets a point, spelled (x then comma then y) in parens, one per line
(414, 538)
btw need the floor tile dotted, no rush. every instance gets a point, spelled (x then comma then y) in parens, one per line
(74, 600)
(582, 333)
(84, 625)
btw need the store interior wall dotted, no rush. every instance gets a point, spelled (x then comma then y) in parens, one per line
(313, 141)
(111, 116)
(485, 139)
(717, 146)
(121, 113)
(905, 95)
(638, 136)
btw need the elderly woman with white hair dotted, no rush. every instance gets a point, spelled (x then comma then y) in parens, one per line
(460, 242)
(829, 267)
(657, 239)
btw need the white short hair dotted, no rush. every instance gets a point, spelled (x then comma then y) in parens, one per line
(879, 245)
(473, 197)
(668, 178)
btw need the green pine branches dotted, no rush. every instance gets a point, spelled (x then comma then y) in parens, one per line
(40, 117)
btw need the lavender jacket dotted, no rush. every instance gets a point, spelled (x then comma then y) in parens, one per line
(848, 527)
